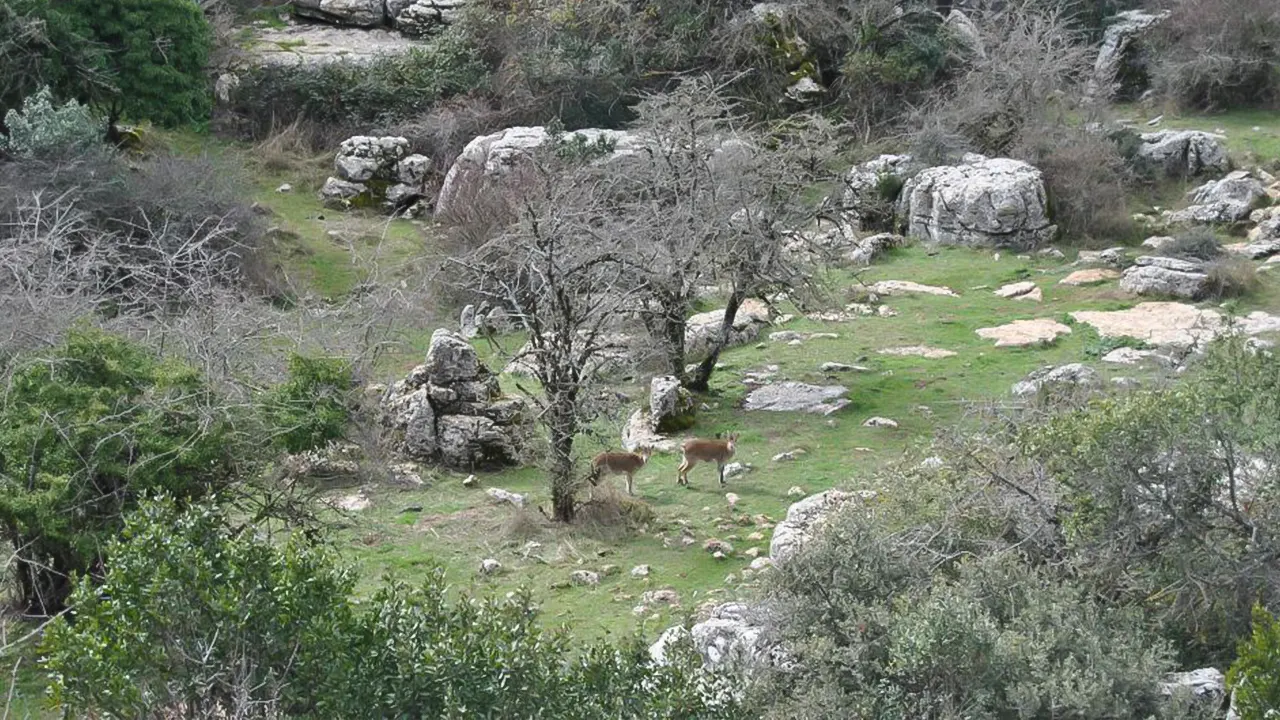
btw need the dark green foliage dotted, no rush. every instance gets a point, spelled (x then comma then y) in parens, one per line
(311, 407)
(197, 612)
(154, 53)
(85, 433)
(1254, 677)
(1165, 495)
(40, 47)
(347, 94)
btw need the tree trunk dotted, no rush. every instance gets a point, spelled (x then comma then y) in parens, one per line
(701, 380)
(562, 429)
(673, 327)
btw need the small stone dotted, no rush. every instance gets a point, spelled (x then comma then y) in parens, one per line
(734, 469)
(787, 456)
(761, 563)
(795, 492)
(584, 578)
(412, 509)
(489, 566)
(500, 496)
(756, 536)
(665, 596)
(732, 499)
(640, 571)
(718, 555)
(469, 481)
(717, 546)
(880, 422)
(752, 552)
(1091, 276)
(285, 188)
(829, 367)
(609, 570)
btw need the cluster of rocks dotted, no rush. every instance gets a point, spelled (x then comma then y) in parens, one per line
(839, 242)
(450, 410)
(980, 202)
(1059, 381)
(1228, 200)
(1184, 153)
(1167, 277)
(377, 171)
(414, 17)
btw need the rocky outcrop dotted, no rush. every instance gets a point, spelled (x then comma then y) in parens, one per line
(1059, 380)
(829, 242)
(791, 396)
(701, 330)
(671, 406)
(1023, 333)
(1266, 228)
(803, 519)
(450, 410)
(1180, 153)
(488, 158)
(1120, 69)
(358, 13)
(980, 203)
(1166, 276)
(1174, 325)
(421, 17)
(1207, 686)
(312, 45)
(871, 189)
(734, 637)
(1231, 199)
(373, 170)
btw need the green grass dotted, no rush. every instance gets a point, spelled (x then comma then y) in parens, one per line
(458, 528)
(21, 683)
(1253, 136)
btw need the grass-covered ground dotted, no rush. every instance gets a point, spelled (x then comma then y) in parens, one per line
(328, 254)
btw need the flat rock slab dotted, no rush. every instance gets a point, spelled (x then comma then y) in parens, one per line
(1021, 333)
(1092, 276)
(906, 287)
(308, 44)
(1015, 289)
(1163, 324)
(918, 351)
(798, 397)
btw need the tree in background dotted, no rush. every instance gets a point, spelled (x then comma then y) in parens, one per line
(85, 432)
(153, 51)
(40, 47)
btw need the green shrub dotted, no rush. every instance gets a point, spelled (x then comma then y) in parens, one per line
(1254, 678)
(39, 47)
(84, 433)
(311, 407)
(198, 615)
(41, 128)
(155, 56)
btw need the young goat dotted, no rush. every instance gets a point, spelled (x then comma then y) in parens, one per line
(700, 450)
(615, 463)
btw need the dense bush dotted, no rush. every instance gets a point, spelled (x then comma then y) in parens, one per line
(40, 128)
(1218, 54)
(85, 432)
(1254, 678)
(201, 618)
(40, 47)
(1086, 180)
(311, 407)
(1196, 244)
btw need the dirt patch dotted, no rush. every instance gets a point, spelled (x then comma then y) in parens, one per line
(918, 351)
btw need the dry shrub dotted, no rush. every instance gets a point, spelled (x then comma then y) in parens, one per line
(442, 132)
(1216, 54)
(1232, 277)
(1196, 244)
(1086, 180)
(291, 148)
(610, 513)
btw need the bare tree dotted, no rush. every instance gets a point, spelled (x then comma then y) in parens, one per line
(559, 277)
(705, 201)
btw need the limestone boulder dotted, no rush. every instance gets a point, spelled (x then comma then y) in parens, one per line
(871, 189)
(981, 203)
(1166, 276)
(671, 407)
(702, 329)
(359, 13)
(790, 396)
(421, 17)
(804, 518)
(1063, 379)
(1181, 153)
(1231, 199)
(308, 44)
(1121, 66)
(733, 637)
(341, 194)
(363, 158)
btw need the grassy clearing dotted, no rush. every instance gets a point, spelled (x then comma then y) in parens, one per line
(406, 531)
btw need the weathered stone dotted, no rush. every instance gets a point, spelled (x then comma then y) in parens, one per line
(362, 158)
(702, 329)
(1121, 56)
(313, 45)
(1089, 277)
(1056, 380)
(336, 463)
(640, 571)
(880, 422)
(421, 17)
(671, 406)
(1159, 324)
(352, 503)
(871, 189)
(338, 193)
(639, 433)
(981, 203)
(907, 287)
(498, 495)
(918, 351)
(1132, 356)
(1021, 333)
(1181, 153)
(1114, 257)
(413, 170)
(1017, 289)
(1156, 242)
(473, 441)
(451, 358)
(803, 519)
(489, 566)
(1228, 200)
(224, 88)
(798, 397)
(1166, 276)
(584, 578)
(359, 13)
(1206, 685)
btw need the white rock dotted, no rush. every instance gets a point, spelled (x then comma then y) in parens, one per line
(803, 519)
(1166, 276)
(982, 203)
(363, 158)
(359, 13)
(640, 571)
(792, 396)
(1057, 380)
(795, 491)
(1021, 333)
(918, 350)
(880, 422)
(907, 287)
(1015, 289)
(584, 578)
(1228, 200)
(489, 566)
(1118, 39)
(1185, 152)
(498, 495)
